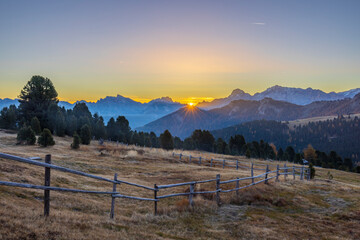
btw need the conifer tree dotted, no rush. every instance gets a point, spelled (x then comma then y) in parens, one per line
(46, 138)
(85, 134)
(166, 140)
(35, 125)
(76, 141)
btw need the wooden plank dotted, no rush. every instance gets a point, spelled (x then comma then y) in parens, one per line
(293, 172)
(113, 199)
(47, 184)
(252, 184)
(266, 175)
(185, 183)
(41, 187)
(134, 198)
(218, 188)
(192, 186)
(63, 169)
(156, 198)
(237, 186)
(135, 185)
(252, 172)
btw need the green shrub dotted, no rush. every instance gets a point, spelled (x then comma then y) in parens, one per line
(27, 135)
(312, 171)
(35, 125)
(46, 138)
(76, 141)
(85, 134)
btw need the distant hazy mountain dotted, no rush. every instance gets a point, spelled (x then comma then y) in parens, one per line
(137, 113)
(182, 122)
(297, 96)
(7, 102)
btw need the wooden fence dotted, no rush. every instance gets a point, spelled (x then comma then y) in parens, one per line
(300, 171)
(213, 162)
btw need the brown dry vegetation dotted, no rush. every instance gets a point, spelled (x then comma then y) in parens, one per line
(319, 209)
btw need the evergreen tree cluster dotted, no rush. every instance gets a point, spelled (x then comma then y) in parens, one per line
(338, 134)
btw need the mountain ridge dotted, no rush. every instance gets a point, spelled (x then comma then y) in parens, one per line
(297, 96)
(239, 111)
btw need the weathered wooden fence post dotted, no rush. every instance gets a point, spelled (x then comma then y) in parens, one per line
(113, 198)
(218, 189)
(286, 170)
(211, 162)
(277, 172)
(199, 160)
(302, 173)
(192, 187)
(309, 174)
(237, 187)
(155, 197)
(47, 183)
(266, 175)
(293, 171)
(252, 172)
(224, 163)
(237, 164)
(190, 159)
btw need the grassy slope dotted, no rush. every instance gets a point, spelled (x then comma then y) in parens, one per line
(318, 209)
(306, 121)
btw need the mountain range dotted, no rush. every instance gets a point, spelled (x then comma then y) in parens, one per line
(184, 121)
(137, 113)
(140, 114)
(297, 96)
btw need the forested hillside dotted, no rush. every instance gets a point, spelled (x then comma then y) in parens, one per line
(341, 134)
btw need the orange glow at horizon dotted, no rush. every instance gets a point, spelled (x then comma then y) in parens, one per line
(191, 101)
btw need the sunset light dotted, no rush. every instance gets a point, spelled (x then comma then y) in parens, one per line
(164, 95)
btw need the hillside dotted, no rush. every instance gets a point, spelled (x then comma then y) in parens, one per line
(333, 134)
(285, 210)
(182, 122)
(248, 110)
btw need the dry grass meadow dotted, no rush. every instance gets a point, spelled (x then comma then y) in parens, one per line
(319, 209)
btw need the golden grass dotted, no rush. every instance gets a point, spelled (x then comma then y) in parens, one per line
(319, 209)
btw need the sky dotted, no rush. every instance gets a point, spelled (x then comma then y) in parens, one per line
(188, 50)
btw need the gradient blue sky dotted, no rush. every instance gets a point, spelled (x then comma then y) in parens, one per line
(182, 49)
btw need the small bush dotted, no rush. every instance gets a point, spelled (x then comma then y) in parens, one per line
(85, 134)
(46, 138)
(76, 141)
(27, 135)
(312, 171)
(329, 175)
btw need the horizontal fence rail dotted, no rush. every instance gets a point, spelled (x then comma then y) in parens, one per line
(303, 172)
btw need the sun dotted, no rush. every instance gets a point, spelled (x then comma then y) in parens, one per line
(191, 104)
